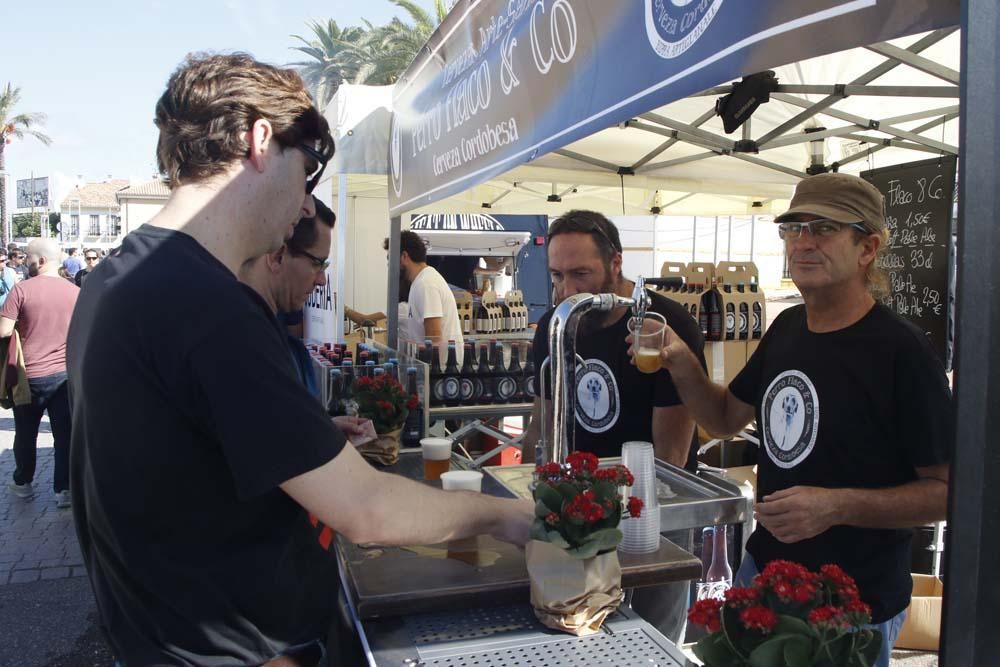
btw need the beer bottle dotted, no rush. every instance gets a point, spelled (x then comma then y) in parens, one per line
(428, 350)
(516, 374)
(505, 324)
(413, 427)
(529, 372)
(334, 382)
(744, 315)
(703, 314)
(437, 379)
(452, 387)
(730, 314)
(369, 371)
(485, 375)
(482, 319)
(467, 378)
(720, 574)
(348, 405)
(711, 317)
(506, 387)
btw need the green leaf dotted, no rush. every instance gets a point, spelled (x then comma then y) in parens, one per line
(555, 538)
(770, 653)
(715, 651)
(870, 650)
(607, 538)
(550, 497)
(538, 531)
(585, 550)
(567, 491)
(541, 509)
(790, 625)
(839, 650)
(799, 651)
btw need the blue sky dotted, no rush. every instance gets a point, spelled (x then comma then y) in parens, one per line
(97, 68)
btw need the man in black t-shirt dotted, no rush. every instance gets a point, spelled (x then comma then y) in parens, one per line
(615, 402)
(852, 405)
(620, 403)
(196, 450)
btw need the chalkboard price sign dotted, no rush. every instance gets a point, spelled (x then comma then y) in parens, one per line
(918, 209)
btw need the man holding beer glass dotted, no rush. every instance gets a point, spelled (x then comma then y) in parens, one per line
(616, 401)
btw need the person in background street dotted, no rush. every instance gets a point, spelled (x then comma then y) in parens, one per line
(15, 258)
(90, 260)
(852, 404)
(40, 310)
(7, 278)
(197, 451)
(72, 263)
(432, 310)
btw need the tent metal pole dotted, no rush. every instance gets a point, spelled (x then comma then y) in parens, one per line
(698, 122)
(729, 241)
(926, 126)
(341, 258)
(753, 233)
(392, 290)
(715, 245)
(920, 63)
(971, 596)
(694, 238)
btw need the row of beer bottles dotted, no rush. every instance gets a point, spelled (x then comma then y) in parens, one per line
(737, 320)
(486, 381)
(499, 317)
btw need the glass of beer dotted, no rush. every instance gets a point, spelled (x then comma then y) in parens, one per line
(647, 341)
(437, 457)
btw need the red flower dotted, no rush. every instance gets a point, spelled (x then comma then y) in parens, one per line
(828, 617)
(858, 613)
(758, 618)
(783, 590)
(412, 403)
(584, 508)
(552, 518)
(549, 471)
(804, 593)
(706, 613)
(784, 569)
(607, 475)
(364, 381)
(582, 461)
(835, 574)
(635, 507)
(742, 597)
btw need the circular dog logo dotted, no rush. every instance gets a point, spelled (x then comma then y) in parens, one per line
(673, 26)
(597, 401)
(790, 419)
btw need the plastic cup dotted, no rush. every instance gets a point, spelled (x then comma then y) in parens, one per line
(436, 453)
(647, 341)
(462, 480)
(641, 535)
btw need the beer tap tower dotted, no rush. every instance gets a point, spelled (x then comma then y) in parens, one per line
(562, 360)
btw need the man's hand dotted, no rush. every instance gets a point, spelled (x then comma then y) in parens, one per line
(358, 430)
(514, 525)
(798, 513)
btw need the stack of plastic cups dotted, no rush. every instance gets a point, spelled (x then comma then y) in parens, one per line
(641, 535)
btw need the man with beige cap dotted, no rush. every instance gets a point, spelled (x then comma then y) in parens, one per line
(852, 407)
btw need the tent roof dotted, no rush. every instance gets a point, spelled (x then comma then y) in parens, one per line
(697, 171)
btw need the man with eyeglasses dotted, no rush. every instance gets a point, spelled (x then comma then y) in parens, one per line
(852, 407)
(90, 259)
(16, 262)
(197, 451)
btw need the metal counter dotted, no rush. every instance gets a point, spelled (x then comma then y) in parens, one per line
(468, 603)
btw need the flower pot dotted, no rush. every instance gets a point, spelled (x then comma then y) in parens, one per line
(571, 594)
(384, 449)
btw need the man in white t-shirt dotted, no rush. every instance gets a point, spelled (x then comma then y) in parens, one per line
(433, 313)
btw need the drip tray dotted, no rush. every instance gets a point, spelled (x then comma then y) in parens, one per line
(511, 637)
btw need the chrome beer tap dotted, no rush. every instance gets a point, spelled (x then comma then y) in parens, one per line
(562, 362)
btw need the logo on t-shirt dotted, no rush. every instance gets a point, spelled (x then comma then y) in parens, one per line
(790, 418)
(597, 400)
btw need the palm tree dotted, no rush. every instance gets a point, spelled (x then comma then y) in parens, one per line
(367, 54)
(14, 126)
(400, 42)
(334, 53)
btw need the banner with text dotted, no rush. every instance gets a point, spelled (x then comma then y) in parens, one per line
(502, 82)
